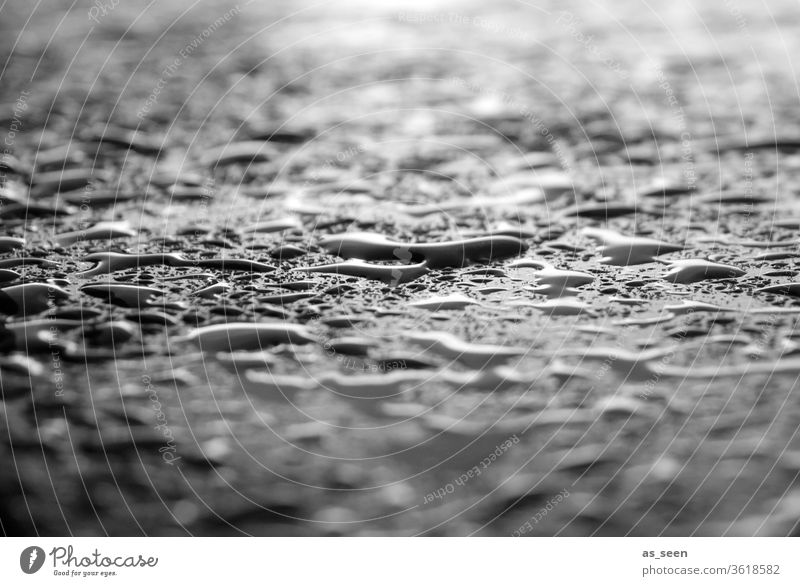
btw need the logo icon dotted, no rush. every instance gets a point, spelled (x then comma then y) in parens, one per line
(31, 559)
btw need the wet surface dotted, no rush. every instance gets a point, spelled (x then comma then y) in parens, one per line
(324, 273)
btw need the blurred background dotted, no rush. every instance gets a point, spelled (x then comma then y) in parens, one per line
(613, 95)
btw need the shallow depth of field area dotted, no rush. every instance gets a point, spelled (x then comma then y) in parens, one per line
(399, 268)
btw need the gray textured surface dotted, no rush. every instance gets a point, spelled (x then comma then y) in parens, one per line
(646, 417)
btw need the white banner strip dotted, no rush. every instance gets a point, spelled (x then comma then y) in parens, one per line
(401, 561)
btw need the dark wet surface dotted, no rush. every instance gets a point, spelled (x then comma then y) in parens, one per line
(371, 270)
